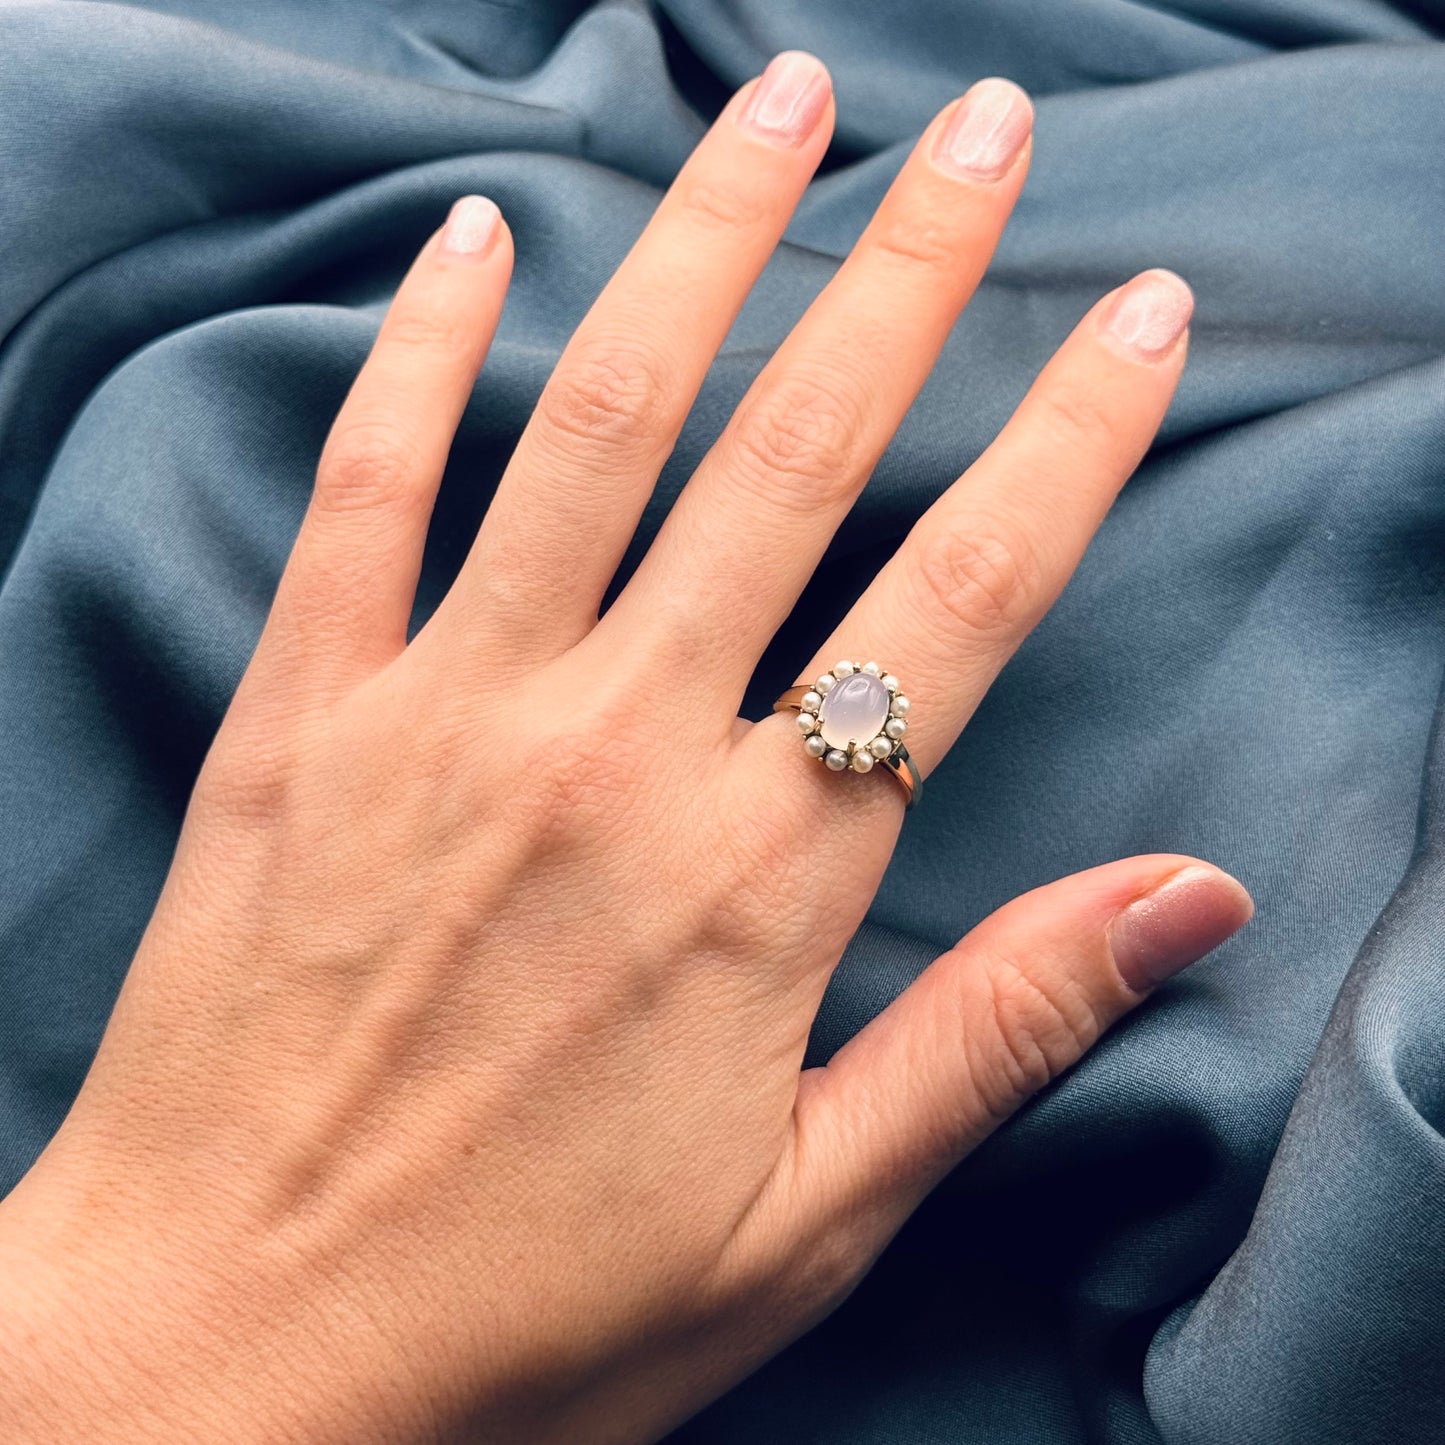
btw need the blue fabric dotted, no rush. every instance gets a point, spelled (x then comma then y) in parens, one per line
(1228, 1224)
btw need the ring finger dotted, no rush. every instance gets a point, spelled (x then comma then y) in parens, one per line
(984, 563)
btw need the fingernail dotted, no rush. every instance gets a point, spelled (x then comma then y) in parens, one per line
(1191, 912)
(1149, 313)
(986, 131)
(471, 224)
(789, 99)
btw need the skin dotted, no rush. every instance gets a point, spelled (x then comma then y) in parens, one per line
(455, 1091)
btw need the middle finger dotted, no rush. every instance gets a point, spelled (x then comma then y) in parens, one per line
(750, 526)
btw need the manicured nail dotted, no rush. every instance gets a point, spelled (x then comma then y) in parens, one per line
(471, 224)
(789, 99)
(986, 131)
(1185, 916)
(1148, 314)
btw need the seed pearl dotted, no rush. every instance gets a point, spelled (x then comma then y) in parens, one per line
(871, 668)
(862, 762)
(895, 727)
(899, 705)
(844, 669)
(836, 759)
(812, 701)
(824, 683)
(880, 747)
(815, 746)
(807, 722)
(889, 681)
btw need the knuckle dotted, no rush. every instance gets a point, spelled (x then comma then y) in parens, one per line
(759, 867)
(1036, 1031)
(584, 777)
(586, 773)
(258, 796)
(608, 393)
(981, 581)
(799, 440)
(249, 777)
(719, 207)
(365, 465)
(1075, 412)
(419, 328)
(764, 845)
(927, 240)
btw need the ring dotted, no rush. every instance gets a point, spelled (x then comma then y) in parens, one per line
(855, 717)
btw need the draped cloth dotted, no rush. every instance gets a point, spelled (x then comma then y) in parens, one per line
(1227, 1225)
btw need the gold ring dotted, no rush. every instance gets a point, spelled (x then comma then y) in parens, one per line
(854, 718)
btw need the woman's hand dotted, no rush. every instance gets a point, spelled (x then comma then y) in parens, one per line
(455, 1090)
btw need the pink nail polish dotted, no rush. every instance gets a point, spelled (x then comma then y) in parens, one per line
(789, 99)
(1148, 314)
(1176, 924)
(986, 131)
(471, 225)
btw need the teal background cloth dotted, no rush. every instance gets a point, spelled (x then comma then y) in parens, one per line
(1227, 1225)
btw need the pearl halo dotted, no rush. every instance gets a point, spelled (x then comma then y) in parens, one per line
(838, 753)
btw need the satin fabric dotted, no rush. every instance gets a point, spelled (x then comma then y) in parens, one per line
(1227, 1225)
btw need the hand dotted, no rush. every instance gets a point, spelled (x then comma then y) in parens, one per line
(455, 1091)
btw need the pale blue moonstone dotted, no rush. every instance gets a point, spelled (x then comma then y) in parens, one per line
(854, 710)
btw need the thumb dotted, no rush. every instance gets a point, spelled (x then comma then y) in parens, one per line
(993, 1020)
